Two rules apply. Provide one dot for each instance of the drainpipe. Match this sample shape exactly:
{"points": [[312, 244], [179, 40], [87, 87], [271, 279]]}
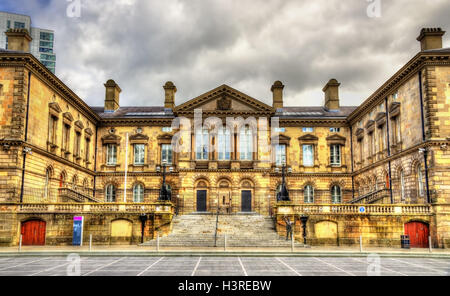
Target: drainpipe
{"points": [[388, 148], [26, 137], [425, 152], [95, 159], [351, 153]]}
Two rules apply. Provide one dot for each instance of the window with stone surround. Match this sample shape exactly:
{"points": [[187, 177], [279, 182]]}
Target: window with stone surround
{"points": [[201, 144], [246, 143], [110, 193], [336, 194], [224, 144], [52, 126], [420, 180], [111, 154], [65, 137], [335, 155], [280, 155], [139, 154], [308, 194], [77, 145], [308, 155], [138, 193], [166, 154]]}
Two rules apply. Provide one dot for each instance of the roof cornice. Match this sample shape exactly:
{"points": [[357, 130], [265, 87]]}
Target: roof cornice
{"points": [[413, 66]]}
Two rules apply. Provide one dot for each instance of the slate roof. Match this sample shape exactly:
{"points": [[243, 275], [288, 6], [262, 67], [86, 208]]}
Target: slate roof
{"points": [[135, 112], [314, 112]]}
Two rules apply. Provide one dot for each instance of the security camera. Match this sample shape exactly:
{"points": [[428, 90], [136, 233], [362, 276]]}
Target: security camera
{"points": [[422, 150]]}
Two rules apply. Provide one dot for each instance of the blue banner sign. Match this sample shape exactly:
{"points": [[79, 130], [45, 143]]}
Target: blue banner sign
{"points": [[78, 231]]}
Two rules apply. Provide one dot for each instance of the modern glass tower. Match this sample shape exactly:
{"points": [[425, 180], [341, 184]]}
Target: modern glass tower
{"points": [[43, 40]]}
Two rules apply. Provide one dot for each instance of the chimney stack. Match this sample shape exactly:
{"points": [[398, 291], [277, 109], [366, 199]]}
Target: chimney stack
{"points": [[331, 91], [277, 90], [170, 89], [112, 96], [430, 38], [18, 40]]}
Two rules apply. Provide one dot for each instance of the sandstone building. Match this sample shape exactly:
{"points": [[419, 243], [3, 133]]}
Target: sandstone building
{"points": [[378, 170]]}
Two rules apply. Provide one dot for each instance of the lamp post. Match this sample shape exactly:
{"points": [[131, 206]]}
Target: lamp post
{"points": [[164, 195], [283, 194], [304, 219], [143, 217]]}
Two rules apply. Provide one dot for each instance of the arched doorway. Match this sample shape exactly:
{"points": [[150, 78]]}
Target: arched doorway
{"points": [[246, 196], [121, 232], [33, 232], [202, 193], [418, 234]]}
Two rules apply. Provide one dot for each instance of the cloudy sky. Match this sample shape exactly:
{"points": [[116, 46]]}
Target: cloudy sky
{"points": [[201, 44]]}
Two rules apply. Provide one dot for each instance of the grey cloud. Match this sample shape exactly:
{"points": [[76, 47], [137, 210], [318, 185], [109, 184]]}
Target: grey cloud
{"points": [[201, 44]]}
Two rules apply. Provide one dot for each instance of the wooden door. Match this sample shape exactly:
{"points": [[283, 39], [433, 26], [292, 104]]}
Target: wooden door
{"points": [[33, 233], [246, 201], [418, 234], [201, 200]]}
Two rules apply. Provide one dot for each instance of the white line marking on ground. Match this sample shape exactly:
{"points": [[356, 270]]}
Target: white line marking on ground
{"points": [[150, 266], [418, 265], [51, 268], [108, 264], [242, 265], [21, 264], [388, 269], [334, 266], [288, 266], [196, 266]]}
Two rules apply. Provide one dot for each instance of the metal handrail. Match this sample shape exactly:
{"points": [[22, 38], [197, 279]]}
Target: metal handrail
{"points": [[217, 224]]}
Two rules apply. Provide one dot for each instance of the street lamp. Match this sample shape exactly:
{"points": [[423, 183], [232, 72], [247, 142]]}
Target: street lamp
{"points": [[283, 194], [304, 219], [164, 194]]}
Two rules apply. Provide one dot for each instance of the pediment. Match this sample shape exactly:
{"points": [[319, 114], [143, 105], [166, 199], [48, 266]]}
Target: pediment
{"points": [[138, 137], [54, 106], [111, 139], [224, 99], [282, 139], [308, 137], [336, 139]]}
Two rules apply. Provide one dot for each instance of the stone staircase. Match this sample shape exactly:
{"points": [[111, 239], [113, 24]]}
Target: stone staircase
{"points": [[242, 230]]}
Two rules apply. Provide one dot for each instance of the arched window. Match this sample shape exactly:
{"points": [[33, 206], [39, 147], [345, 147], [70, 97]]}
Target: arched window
{"points": [[402, 184], [74, 182], [309, 194], [110, 193], [246, 143], [47, 183], [420, 180], [336, 196], [224, 144], [138, 193]]}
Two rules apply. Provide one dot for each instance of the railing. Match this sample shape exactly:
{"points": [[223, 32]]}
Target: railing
{"points": [[372, 197], [345, 209], [76, 195], [160, 207], [297, 196]]}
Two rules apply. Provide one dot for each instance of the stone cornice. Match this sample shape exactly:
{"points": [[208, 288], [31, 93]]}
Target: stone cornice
{"points": [[411, 68], [8, 59]]}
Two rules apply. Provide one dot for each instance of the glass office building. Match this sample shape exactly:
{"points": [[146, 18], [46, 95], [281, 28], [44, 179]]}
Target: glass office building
{"points": [[42, 45]]}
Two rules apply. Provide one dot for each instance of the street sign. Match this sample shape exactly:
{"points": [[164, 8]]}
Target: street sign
{"points": [[362, 209], [77, 239]]}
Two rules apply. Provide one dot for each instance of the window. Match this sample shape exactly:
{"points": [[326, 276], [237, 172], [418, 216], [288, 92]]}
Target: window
{"points": [[87, 149], [336, 196], [8, 24], [166, 129], [110, 193], [246, 143], [280, 157], [111, 154], [139, 154], [361, 150], [19, 25], [138, 193], [66, 137], [335, 155], [44, 49], [335, 129], [383, 137], [309, 194], [166, 153], [77, 145], [372, 143], [52, 129], [402, 185], [308, 155], [308, 129], [46, 36], [420, 180], [280, 129], [201, 144], [395, 96], [224, 142]]}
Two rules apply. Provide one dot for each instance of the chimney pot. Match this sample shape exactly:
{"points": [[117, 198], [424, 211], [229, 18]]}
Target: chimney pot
{"points": [[18, 40], [331, 90], [112, 95], [430, 38], [170, 89], [277, 90]]}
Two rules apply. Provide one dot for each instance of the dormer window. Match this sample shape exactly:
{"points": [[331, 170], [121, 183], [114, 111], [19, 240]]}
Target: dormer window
{"points": [[335, 129], [167, 129], [308, 129]]}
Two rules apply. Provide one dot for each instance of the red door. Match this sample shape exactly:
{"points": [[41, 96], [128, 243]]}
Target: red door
{"points": [[418, 234], [33, 233]]}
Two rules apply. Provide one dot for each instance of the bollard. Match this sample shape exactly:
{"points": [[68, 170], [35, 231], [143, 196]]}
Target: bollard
{"points": [[90, 242], [292, 242], [360, 244], [430, 244], [20, 243], [157, 242]]}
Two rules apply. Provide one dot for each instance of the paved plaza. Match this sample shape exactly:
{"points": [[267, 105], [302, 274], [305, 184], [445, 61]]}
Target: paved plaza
{"points": [[222, 266]]}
